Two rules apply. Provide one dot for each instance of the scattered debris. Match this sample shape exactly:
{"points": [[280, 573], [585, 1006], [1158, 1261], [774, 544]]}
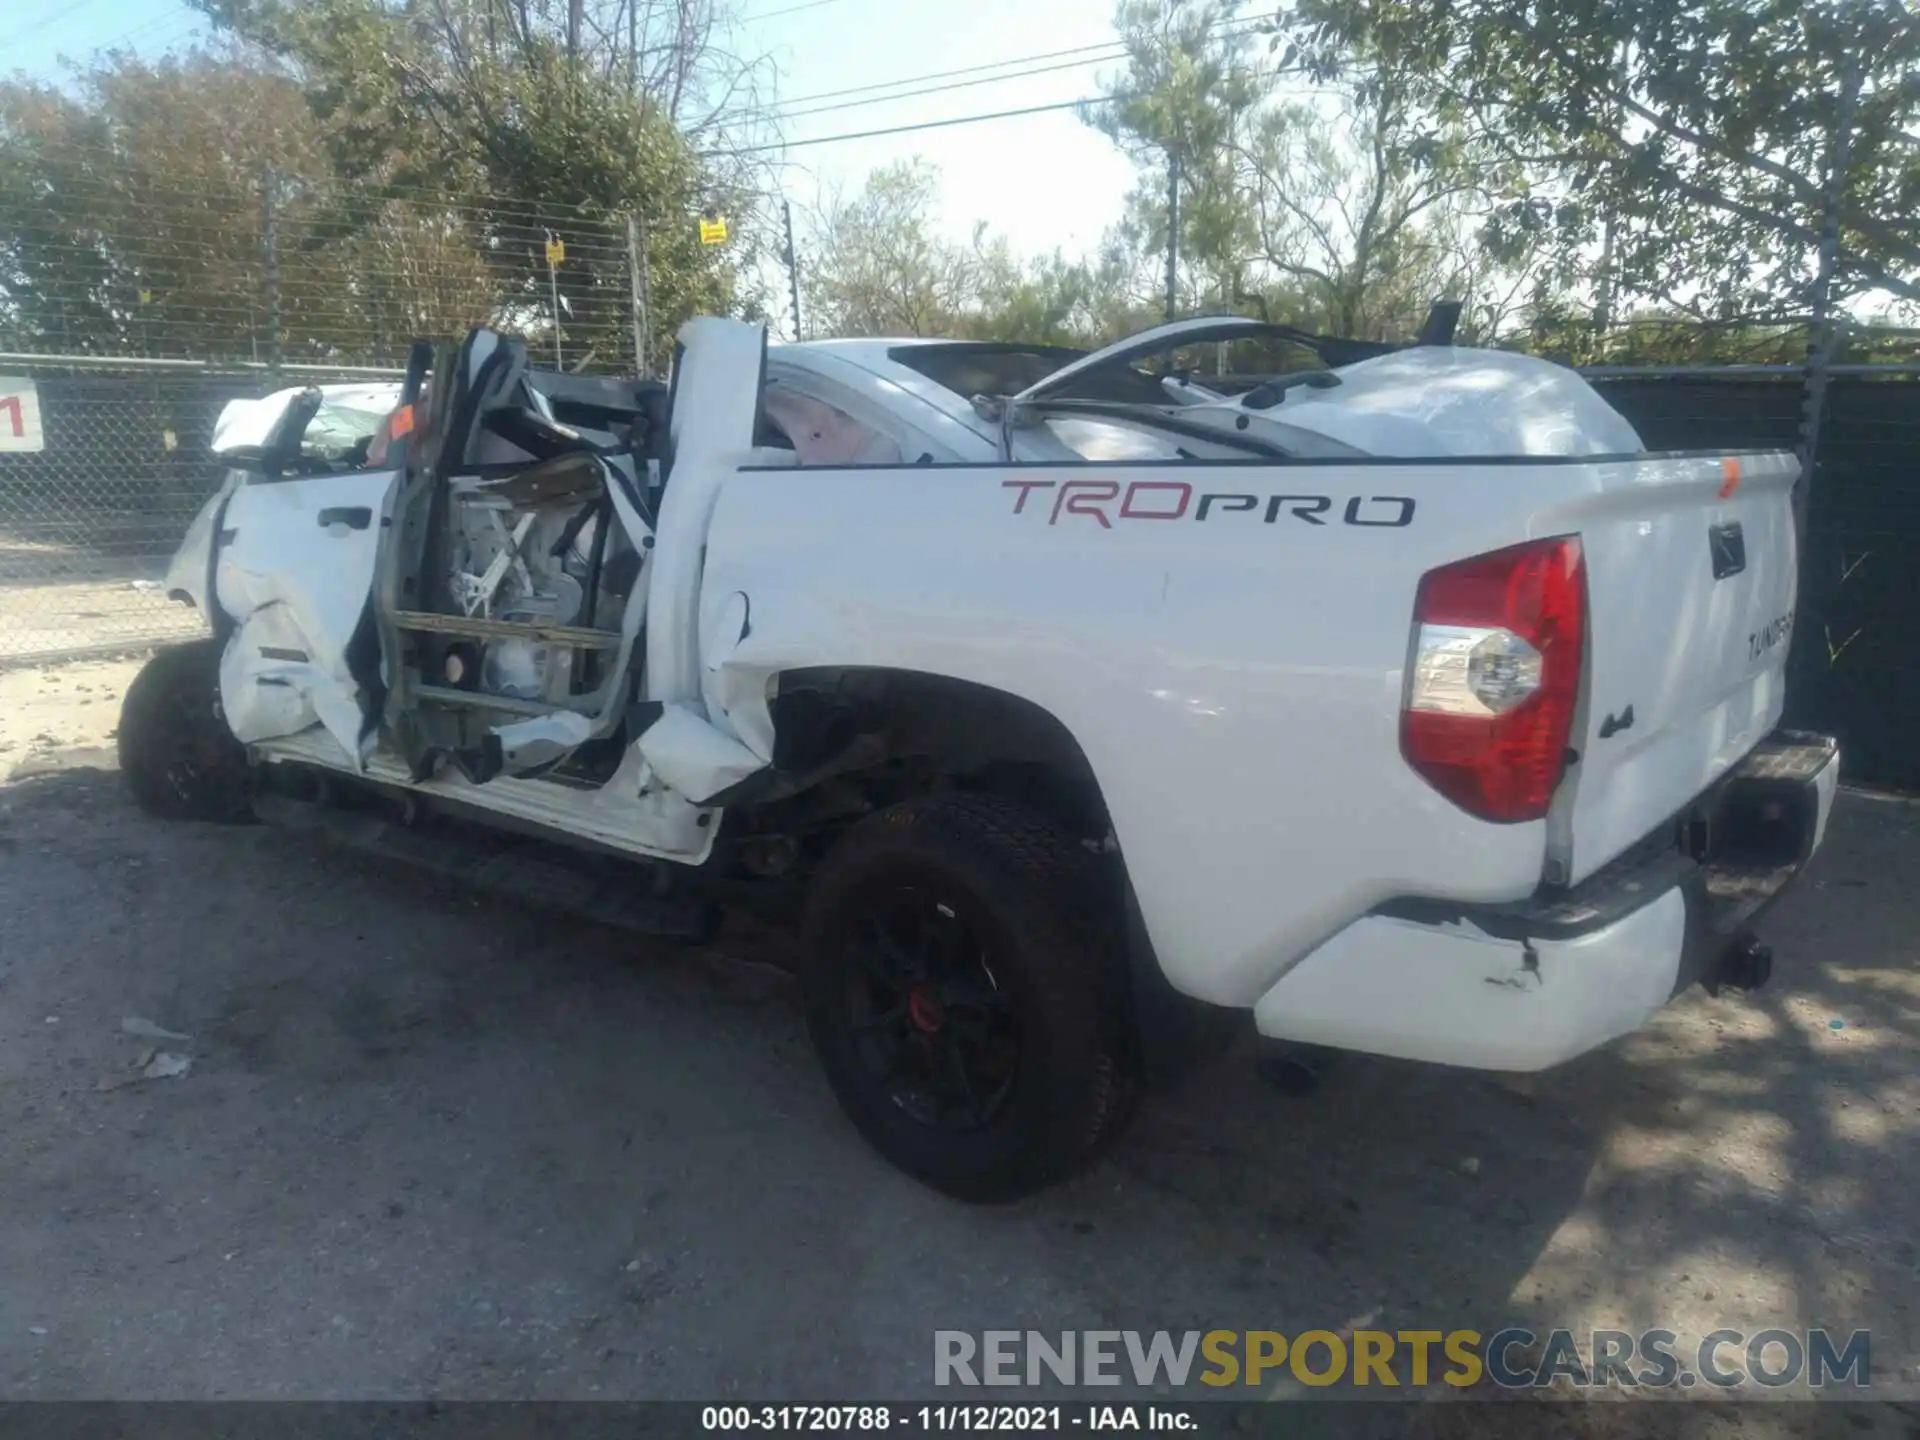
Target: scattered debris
{"points": [[150, 1065], [147, 1030], [166, 1065], [36, 1329], [1470, 1165]]}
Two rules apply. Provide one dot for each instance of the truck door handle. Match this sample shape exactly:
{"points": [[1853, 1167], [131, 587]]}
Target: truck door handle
{"points": [[354, 517]]}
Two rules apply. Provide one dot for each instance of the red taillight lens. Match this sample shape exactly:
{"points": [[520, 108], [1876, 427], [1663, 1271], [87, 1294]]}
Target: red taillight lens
{"points": [[1495, 677]]}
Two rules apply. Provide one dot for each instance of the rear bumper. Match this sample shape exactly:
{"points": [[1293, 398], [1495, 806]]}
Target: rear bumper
{"points": [[1527, 985]]}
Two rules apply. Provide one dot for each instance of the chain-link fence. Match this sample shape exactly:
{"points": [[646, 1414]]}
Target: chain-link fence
{"points": [[130, 315], [89, 518], [288, 277], [104, 463]]}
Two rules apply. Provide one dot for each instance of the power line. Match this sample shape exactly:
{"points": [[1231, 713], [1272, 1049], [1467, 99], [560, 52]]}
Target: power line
{"points": [[156, 23], [932, 124], [790, 10], [405, 192], [949, 74], [59, 14], [934, 89], [1094, 54]]}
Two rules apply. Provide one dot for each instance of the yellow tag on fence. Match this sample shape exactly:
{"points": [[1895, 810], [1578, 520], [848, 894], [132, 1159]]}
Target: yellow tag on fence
{"points": [[556, 250], [713, 230]]}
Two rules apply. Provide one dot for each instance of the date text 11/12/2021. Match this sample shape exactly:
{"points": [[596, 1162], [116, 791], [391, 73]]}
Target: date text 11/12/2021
{"points": [[948, 1419]]}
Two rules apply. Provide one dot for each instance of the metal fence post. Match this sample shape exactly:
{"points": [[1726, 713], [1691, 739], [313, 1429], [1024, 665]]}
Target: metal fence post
{"points": [[270, 265], [1821, 332], [640, 284], [793, 268]]}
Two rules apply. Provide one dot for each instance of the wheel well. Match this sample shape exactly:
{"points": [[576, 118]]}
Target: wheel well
{"points": [[900, 727], [849, 741]]}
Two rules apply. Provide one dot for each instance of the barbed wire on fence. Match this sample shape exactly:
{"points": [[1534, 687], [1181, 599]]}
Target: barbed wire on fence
{"points": [[283, 277]]}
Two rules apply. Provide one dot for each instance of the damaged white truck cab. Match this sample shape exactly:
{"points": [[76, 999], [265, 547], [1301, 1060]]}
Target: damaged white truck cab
{"points": [[1405, 702]]}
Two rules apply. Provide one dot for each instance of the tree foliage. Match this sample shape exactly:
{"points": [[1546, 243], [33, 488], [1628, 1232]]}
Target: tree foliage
{"points": [[531, 128], [376, 169], [877, 264], [414, 163], [130, 211], [1348, 206], [1681, 146]]}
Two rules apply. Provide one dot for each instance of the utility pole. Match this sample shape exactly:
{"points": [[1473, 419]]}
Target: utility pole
{"points": [[1173, 229], [576, 11], [793, 268], [640, 282]]}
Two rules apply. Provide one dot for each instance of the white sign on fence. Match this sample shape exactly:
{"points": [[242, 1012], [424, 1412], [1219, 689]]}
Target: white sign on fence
{"points": [[19, 417]]}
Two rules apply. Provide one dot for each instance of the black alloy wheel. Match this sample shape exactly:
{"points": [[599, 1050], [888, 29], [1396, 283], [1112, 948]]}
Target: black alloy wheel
{"points": [[963, 991], [929, 1020]]}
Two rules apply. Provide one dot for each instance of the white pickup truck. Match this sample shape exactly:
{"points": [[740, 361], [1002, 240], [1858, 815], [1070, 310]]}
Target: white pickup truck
{"points": [[1072, 708]]}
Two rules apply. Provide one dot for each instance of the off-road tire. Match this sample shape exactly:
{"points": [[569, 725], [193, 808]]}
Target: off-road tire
{"points": [[1032, 893], [179, 758]]}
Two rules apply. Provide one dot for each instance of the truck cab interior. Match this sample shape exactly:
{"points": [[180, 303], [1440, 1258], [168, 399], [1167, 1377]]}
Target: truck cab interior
{"points": [[523, 529]]}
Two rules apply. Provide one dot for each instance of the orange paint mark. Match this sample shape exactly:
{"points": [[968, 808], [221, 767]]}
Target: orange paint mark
{"points": [[1729, 476]]}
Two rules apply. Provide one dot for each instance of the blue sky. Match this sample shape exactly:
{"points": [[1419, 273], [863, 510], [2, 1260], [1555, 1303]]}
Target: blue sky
{"points": [[1042, 180]]}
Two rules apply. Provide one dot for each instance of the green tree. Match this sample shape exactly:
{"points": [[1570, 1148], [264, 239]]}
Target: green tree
{"points": [[1184, 111], [877, 264], [130, 210], [1350, 207], [1046, 300], [414, 167], [524, 126], [1683, 145], [523, 133]]}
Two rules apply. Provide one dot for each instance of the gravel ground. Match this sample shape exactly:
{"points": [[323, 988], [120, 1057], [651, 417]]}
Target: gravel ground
{"points": [[435, 1145]]}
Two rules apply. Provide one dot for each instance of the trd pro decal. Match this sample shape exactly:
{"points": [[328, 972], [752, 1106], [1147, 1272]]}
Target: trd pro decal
{"points": [[1105, 501]]}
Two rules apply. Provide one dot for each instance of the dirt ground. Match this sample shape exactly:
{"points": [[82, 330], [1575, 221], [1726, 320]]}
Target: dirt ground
{"points": [[434, 1145]]}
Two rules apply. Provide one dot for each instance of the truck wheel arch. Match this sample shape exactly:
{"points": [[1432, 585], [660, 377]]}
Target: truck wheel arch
{"points": [[834, 720], [837, 721]]}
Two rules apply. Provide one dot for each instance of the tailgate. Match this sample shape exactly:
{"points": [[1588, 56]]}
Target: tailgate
{"points": [[1691, 580]]}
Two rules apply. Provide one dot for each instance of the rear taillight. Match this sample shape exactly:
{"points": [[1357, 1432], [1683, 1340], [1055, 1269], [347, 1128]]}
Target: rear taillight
{"points": [[1495, 677]]}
